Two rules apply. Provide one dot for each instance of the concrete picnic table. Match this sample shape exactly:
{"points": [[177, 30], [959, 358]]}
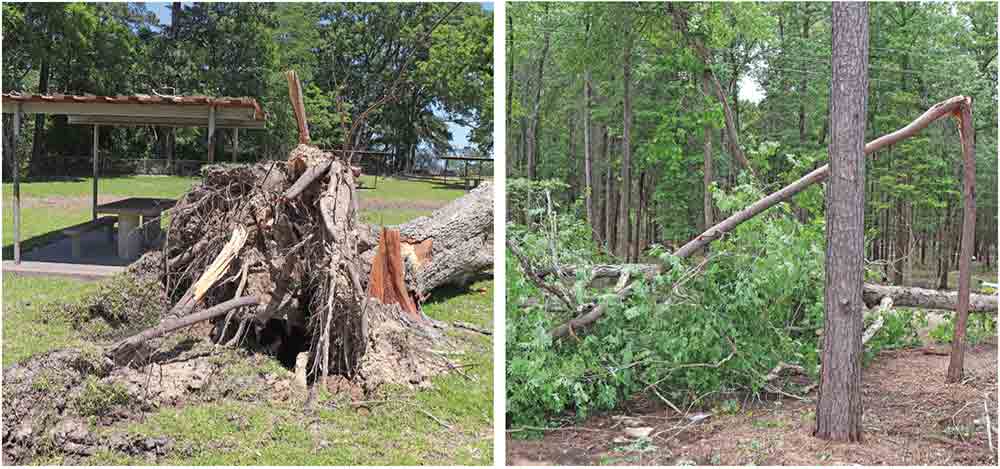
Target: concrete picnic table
{"points": [[129, 210]]}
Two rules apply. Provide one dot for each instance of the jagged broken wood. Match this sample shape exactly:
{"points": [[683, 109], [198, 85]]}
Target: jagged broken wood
{"points": [[298, 105]]}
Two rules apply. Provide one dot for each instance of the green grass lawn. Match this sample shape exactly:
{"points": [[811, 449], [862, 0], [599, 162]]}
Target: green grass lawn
{"points": [[394, 431], [404, 189], [29, 327], [230, 432], [47, 207]]}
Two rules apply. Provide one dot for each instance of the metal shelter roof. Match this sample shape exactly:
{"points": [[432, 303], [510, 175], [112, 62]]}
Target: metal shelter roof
{"points": [[141, 109]]}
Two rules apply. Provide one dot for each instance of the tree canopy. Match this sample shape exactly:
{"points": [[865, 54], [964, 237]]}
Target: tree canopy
{"points": [[348, 56]]}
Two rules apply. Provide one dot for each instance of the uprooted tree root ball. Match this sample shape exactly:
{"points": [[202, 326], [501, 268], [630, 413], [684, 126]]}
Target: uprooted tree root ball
{"points": [[272, 258]]}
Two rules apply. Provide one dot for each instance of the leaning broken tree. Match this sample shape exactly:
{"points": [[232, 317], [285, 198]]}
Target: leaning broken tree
{"points": [[959, 107], [282, 241]]}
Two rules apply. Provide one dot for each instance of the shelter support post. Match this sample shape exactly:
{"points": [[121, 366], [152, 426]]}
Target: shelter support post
{"points": [[93, 206], [17, 188], [236, 143], [211, 134]]}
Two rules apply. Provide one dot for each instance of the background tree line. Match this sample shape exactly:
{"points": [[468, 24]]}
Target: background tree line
{"points": [[641, 109], [347, 56]]}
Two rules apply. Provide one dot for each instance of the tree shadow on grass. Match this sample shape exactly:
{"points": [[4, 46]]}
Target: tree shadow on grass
{"points": [[438, 182], [446, 292]]}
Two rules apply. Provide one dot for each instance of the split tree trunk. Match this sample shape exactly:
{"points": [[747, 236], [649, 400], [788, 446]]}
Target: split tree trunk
{"points": [[955, 366]]}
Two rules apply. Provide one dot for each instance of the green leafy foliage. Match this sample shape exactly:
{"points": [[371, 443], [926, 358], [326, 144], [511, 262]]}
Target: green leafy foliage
{"points": [[349, 56], [756, 302], [713, 324], [979, 328]]}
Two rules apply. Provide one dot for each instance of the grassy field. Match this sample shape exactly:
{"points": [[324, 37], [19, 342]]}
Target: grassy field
{"points": [[48, 207], [449, 423]]}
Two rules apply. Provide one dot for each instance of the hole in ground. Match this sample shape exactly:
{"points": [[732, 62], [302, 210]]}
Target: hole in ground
{"points": [[283, 341]]}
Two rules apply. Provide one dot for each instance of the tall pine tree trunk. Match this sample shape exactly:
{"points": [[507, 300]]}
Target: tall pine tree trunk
{"points": [[588, 155], [838, 411], [534, 128], [626, 186]]}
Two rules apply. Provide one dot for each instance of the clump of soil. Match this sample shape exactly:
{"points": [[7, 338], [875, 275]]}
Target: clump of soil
{"points": [[50, 399], [911, 417], [124, 304]]}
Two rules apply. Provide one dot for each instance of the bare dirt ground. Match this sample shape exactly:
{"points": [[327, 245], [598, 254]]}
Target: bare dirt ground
{"points": [[911, 417]]}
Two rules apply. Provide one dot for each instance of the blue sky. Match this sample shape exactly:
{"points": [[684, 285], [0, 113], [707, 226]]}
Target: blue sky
{"points": [[459, 134]]}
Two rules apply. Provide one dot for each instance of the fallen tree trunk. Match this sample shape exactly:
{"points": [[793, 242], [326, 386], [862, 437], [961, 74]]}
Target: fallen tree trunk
{"points": [[449, 246], [927, 299], [873, 294]]}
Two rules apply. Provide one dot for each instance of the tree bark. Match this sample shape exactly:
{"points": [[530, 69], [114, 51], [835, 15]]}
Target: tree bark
{"points": [[588, 155], [534, 127], [707, 165], [804, 83], [626, 187], [609, 199], [447, 247], [839, 408], [639, 217]]}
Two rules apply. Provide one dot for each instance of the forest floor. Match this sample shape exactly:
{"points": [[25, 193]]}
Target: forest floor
{"points": [[911, 417], [219, 406]]}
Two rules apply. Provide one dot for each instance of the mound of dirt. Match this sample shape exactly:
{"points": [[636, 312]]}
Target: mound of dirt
{"points": [[49, 399]]}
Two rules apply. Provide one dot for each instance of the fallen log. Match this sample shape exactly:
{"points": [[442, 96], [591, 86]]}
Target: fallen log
{"points": [[873, 294], [450, 246], [927, 299]]}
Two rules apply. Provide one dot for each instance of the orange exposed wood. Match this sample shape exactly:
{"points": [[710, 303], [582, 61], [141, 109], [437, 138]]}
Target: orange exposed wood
{"points": [[388, 278]]}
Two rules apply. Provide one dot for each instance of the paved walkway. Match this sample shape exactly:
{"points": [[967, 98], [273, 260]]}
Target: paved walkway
{"points": [[78, 271]]}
